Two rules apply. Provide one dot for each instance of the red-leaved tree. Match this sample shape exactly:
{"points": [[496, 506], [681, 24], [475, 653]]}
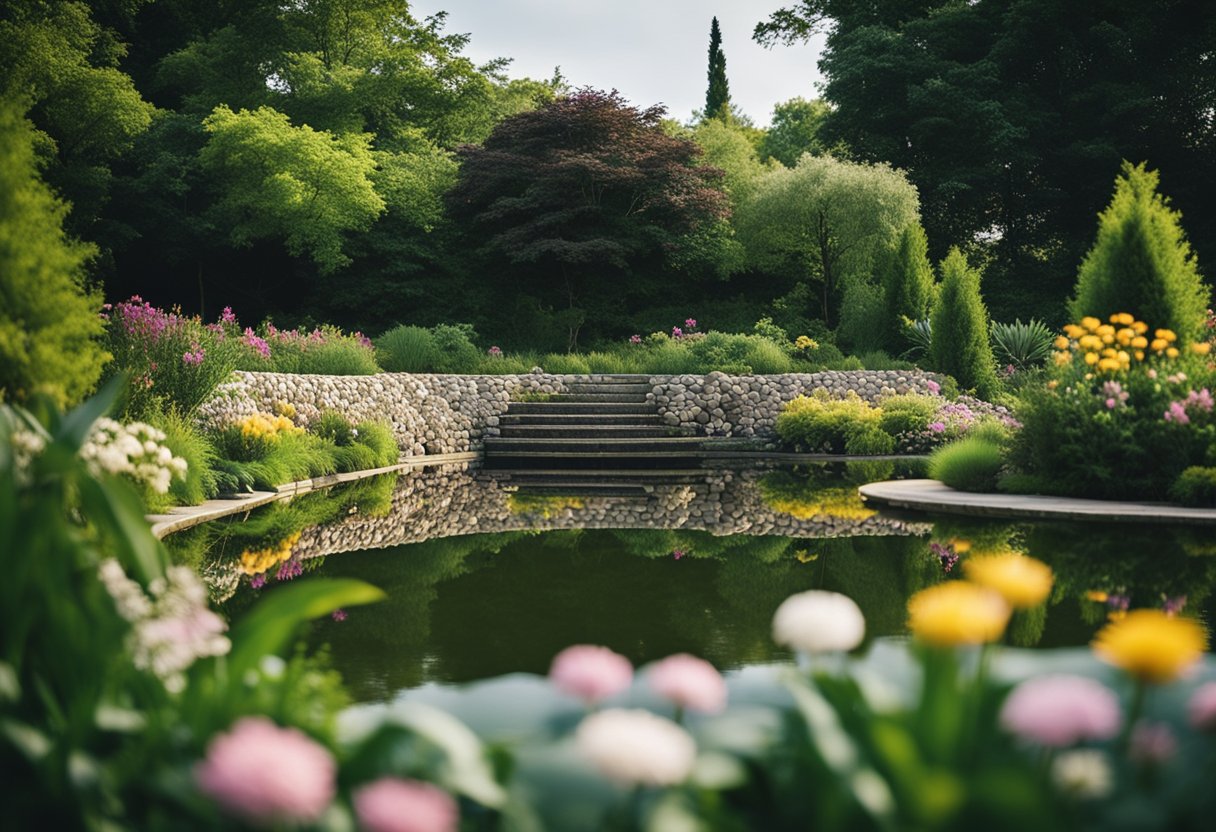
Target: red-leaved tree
{"points": [[569, 199]]}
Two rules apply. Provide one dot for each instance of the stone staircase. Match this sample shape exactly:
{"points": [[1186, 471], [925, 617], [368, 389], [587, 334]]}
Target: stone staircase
{"points": [[601, 436]]}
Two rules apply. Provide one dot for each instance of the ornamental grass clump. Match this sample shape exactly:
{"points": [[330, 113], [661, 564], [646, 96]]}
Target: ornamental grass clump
{"points": [[971, 464]]}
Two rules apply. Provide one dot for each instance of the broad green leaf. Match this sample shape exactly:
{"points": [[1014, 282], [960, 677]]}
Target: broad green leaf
{"points": [[270, 626], [78, 423], [116, 511], [26, 738]]}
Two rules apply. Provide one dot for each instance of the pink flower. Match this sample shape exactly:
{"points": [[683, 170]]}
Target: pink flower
{"points": [[635, 339], [1177, 414], [394, 805], [937, 427], [494, 352], [259, 345], [676, 332], [258, 581], [1152, 743], [933, 386], [590, 672], [690, 683], [194, 357], [1061, 710], [1202, 708], [338, 615], [678, 553], [1110, 404], [227, 316], [267, 775], [691, 323]]}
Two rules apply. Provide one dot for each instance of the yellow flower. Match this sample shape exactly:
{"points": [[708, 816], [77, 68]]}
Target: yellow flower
{"points": [[1123, 318], [1159, 344], [1151, 645], [1063, 358], [1022, 581], [1091, 358], [1061, 342], [1097, 596], [1125, 336], [805, 342], [1053, 384], [1073, 331], [1172, 352], [1090, 342], [1167, 334], [1139, 355], [956, 613], [1139, 342], [1109, 365], [960, 545], [1090, 323], [1202, 348]]}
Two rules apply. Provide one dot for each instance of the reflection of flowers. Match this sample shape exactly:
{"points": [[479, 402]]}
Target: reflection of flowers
{"points": [[636, 746], [1060, 710], [945, 554], [1151, 646]]}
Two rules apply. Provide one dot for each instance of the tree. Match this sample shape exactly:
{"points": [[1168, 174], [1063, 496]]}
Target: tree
{"points": [[825, 221], [304, 186], [960, 345], [907, 282], [1011, 150], [577, 193], [49, 323], [717, 96], [794, 131], [1141, 261]]}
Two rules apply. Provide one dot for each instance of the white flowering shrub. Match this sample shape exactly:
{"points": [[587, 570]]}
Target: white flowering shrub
{"points": [[134, 451]]}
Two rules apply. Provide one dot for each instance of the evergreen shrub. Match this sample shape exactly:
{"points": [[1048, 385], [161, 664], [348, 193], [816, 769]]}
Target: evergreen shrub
{"points": [[1195, 486], [960, 345]]}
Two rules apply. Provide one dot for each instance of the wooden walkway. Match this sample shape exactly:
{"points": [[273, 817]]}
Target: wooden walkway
{"points": [[933, 496]]}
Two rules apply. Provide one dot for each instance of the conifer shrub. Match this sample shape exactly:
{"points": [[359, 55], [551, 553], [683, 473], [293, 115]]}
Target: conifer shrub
{"points": [[1141, 262], [960, 345], [49, 322], [907, 284]]}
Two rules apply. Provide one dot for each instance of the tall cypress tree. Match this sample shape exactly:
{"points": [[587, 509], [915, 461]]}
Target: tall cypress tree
{"points": [[717, 97]]}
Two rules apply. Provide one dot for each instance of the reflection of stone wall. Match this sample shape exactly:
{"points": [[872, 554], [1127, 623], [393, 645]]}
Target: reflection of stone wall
{"points": [[722, 405], [451, 500]]}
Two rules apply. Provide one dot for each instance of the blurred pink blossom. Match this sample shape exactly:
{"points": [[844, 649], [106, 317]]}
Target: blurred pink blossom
{"points": [[590, 672], [267, 775], [1152, 743], [394, 805], [691, 323], [690, 683], [933, 386], [1202, 708], [1061, 710]]}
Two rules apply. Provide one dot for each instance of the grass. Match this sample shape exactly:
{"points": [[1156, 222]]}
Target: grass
{"points": [[971, 464], [406, 349], [188, 442]]}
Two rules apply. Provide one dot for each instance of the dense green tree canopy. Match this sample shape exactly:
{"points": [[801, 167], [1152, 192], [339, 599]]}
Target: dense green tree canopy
{"points": [[1010, 116], [794, 131], [825, 221]]}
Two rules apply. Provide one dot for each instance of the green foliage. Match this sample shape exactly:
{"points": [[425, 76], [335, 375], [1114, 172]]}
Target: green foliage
{"points": [[960, 345], [378, 437], [920, 335], [406, 349], [907, 413], [333, 427], [862, 317], [1022, 345], [1141, 261], [970, 464], [325, 351], [717, 96], [825, 222], [562, 362], [455, 351], [821, 424], [794, 130], [879, 360], [728, 148], [906, 278], [869, 440], [49, 321], [184, 438], [1195, 486], [303, 186]]}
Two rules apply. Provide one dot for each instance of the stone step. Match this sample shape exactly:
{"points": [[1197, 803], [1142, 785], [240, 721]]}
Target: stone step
{"points": [[584, 408], [639, 398], [583, 445], [649, 419], [626, 477], [570, 488], [586, 431], [636, 388], [592, 460]]}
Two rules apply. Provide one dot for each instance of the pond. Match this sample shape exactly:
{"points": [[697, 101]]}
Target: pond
{"points": [[487, 577]]}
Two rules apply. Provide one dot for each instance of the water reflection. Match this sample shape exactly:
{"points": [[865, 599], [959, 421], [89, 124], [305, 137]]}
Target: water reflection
{"points": [[484, 578]]}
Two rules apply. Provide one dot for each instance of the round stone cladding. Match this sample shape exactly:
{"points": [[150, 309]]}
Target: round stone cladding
{"points": [[437, 414], [722, 405]]}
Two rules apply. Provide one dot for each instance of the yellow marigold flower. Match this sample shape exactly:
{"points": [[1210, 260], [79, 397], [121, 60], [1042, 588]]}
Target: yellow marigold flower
{"points": [[1109, 365], [1159, 344], [1105, 330], [1139, 342], [1141, 327], [1202, 348], [1125, 336], [1053, 384], [1172, 352], [956, 613], [1063, 358], [1097, 596], [1061, 342], [1167, 334], [1073, 331], [1091, 323], [1151, 645], [1109, 352], [1090, 342], [1022, 581], [1091, 358], [1123, 318], [1139, 355]]}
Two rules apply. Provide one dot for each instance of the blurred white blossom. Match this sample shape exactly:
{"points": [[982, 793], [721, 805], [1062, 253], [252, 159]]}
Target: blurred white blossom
{"points": [[134, 450]]}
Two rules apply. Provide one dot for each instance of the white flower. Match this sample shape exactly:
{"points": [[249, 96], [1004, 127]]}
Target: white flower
{"points": [[636, 746], [1083, 774], [819, 622], [133, 450], [26, 445]]}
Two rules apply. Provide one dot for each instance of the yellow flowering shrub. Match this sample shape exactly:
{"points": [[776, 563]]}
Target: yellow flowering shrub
{"points": [[840, 503], [257, 561]]}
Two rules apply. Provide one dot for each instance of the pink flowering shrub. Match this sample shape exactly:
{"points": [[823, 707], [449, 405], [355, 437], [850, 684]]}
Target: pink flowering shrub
{"points": [[394, 805], [590, 672], [690, 683]]}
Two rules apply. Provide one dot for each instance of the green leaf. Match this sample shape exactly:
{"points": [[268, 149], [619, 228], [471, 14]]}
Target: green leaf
{"points": [[26, 738], [77, 424], [270, 626], [117, 513]]}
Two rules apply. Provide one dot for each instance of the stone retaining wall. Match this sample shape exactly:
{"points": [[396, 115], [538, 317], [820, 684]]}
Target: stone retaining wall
{"points": [[722, 405], [437, 414]]}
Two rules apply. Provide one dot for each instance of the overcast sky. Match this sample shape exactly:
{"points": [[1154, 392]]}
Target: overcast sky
{"points": [[652, 51]]}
